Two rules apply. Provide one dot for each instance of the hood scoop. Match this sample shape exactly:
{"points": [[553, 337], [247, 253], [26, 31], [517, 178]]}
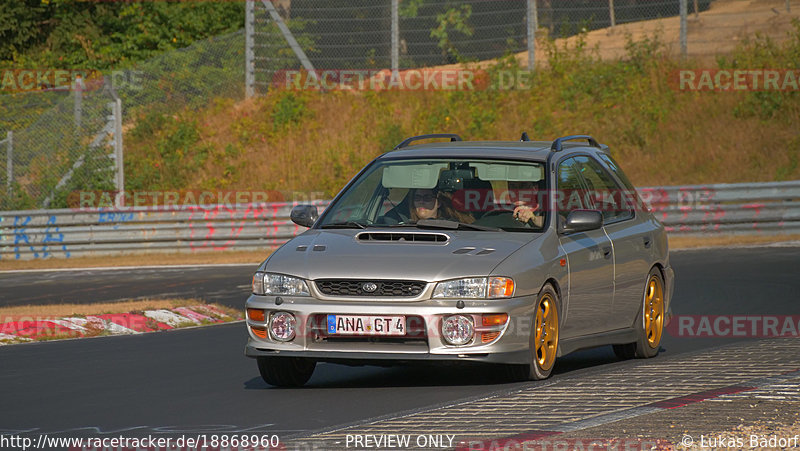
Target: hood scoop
{"points": [[402, 237]]}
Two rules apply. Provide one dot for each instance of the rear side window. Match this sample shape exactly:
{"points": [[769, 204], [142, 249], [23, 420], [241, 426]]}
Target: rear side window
{"points": [[614, 167]]}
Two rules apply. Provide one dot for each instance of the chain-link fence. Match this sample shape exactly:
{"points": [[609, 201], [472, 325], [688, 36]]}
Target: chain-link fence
{"points": [[54, 151], [67, 140], [369, 34]]}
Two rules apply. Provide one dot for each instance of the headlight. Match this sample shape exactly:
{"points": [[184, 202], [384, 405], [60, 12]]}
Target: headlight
{"points": [[475, 288], [278, 284]]}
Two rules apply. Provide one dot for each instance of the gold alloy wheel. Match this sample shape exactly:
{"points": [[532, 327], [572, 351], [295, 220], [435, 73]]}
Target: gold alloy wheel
{"points": [[654, 311], [546, 341]]}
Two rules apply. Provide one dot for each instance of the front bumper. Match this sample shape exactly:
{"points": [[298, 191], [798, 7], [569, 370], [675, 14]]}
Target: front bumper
{"points": [[510, 346]]}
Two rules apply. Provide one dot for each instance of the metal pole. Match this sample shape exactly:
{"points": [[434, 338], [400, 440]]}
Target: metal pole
{"points": [[9, 161], [249, 52], [287, 34], [118, 153], [533, 25], [611, 13], [395, 35], [77, 91], [684, 7]]}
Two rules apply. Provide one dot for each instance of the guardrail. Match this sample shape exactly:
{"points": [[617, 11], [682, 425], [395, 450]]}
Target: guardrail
{"points": [[752, 208], [26, 235], [746, 208]]}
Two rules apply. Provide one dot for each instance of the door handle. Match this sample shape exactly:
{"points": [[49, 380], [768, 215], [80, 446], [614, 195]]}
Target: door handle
{"points": [[647, 242], [607, 252]]}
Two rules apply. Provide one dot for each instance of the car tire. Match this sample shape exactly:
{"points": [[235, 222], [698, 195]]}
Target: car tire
{"points": [[286, 371], [543, 343], [649, 321]]}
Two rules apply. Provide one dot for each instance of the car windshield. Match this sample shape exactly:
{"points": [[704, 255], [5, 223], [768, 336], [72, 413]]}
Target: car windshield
{"points": [[480, 195]]}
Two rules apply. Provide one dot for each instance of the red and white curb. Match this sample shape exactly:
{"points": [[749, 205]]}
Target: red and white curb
{"points": [[25, 329]]}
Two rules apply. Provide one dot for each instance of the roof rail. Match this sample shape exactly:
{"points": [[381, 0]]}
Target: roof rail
{"points": [[558, 143], [407, 141]]}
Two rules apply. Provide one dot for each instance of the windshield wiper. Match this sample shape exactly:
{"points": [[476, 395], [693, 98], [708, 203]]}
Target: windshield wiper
{"points": [[344, 225], [454, 225]]}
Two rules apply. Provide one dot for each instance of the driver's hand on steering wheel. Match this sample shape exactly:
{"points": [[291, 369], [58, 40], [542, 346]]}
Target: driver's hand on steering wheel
{"points": [[524, 213]]}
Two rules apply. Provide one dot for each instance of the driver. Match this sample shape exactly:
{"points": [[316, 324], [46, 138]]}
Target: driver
{"points": [[434, 204]]}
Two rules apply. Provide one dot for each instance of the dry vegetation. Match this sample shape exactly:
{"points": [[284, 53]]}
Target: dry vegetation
{"points": [[693, 242], [198, 258], [309, 141]]}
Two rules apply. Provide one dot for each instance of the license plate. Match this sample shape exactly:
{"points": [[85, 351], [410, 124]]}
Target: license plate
{"points": [[366, 325]]}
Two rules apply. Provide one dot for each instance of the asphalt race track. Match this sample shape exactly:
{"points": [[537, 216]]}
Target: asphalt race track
{"points": [[197, 380], [225, 284]]}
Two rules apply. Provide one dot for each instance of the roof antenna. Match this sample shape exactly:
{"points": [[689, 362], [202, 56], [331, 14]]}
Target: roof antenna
{"points": [[524, 137]]}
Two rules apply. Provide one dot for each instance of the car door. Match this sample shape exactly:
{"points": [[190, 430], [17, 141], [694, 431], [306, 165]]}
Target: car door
{"points": [[631, 234], [590, 260]]}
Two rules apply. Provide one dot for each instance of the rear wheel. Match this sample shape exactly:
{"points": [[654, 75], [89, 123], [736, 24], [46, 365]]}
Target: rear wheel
{"points": [[649, 322], [544, 338], [286, 371]]}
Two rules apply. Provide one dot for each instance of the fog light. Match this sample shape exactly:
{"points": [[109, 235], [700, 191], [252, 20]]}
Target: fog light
{"points": [[457, 330], [282, 326]]}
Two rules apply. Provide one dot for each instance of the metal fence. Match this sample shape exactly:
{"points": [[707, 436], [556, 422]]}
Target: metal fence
{"points": [[71, 139], [759, 208], [74, 143], [380, 34]]}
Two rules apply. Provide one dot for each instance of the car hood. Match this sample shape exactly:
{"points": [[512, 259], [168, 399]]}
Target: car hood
{"points": [[393, 254]]}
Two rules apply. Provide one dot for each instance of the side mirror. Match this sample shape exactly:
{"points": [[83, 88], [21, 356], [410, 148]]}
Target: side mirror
{"points": [[304, 215], [582, 221]]}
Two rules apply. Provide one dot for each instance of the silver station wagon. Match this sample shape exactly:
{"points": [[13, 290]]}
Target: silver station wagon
{"points": [[511, 253]]}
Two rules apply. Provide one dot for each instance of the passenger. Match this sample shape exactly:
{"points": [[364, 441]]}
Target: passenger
{"points": [[434, 204]]}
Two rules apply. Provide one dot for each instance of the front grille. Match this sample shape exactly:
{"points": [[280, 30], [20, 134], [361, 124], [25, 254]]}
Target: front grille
{"points": [[385, 288]]}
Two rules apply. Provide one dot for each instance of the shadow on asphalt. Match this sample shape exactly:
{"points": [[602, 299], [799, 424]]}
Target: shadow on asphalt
{"points": [[328, 375]]}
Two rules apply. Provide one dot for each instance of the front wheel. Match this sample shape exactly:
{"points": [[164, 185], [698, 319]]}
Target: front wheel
{"points": [[649, 322], [286, 371], [544, 338]]}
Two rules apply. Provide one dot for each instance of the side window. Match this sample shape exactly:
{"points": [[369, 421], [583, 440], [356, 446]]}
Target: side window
{"points": [[571, 194], [604, 191]]}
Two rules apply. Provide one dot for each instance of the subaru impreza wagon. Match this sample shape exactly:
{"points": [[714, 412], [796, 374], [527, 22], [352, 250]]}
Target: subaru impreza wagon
{"points": [[511, 253]]}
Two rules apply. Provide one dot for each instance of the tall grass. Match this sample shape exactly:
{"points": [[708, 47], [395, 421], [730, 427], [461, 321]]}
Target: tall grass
{"points": [[313, 141]]}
